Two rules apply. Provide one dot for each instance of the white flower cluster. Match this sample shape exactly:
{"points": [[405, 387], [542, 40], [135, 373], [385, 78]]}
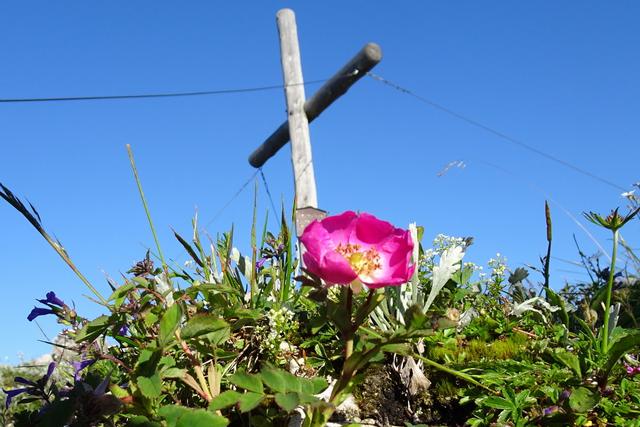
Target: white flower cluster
{"points": [[472, 266], [442, 242], [498, 265], [280, 322]]}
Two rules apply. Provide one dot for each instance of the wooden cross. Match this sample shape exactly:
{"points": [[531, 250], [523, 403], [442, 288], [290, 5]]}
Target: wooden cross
{"points": [[301, 112]]}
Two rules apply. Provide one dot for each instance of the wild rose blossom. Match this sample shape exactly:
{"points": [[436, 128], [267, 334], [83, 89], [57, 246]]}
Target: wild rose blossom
{"points": [[350, 247]]}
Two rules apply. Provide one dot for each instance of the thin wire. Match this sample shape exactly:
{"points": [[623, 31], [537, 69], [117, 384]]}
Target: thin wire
{"points": [[494, 131], [546, 196], [158, 95], [237, 193], [266, 187]]}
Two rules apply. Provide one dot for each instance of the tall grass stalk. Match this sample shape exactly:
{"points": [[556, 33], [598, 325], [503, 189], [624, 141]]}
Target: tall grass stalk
{"points": [[146, 209], [607, 307]]}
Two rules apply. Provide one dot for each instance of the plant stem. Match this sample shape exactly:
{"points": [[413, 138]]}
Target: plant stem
{"points": [[607, 306], [547, 260], [348, 347], [146, 209]]}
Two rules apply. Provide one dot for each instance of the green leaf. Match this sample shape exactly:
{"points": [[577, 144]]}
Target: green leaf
{"points": [[287, 401], [120, 293], [148, 361], [415, 319], [93, 329], [250, 400], [173, 373], [274, 379], [150, 387], [570, 360], [171, 413], [246, 381], [142, 421], [555, 299], [624, 341], [497, 402], [201, 418], [188, 248], [169, 323], [319, 385], [224, 400], [202, 324], [582, 399]]}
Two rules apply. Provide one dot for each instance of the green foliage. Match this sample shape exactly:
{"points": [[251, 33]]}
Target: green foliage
{"points": [[236, 339]]}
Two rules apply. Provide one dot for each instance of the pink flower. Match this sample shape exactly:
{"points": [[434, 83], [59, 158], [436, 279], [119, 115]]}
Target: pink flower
{"points": [[352, 247]]}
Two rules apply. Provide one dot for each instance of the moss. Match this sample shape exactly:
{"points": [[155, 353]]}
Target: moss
{"points": [[514, 347]]}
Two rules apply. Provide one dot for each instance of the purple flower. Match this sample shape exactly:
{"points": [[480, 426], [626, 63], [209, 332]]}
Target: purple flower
{"points": [[550, 410], [36, 388], [565, 395], [52, 299], [79, 366], [50, 369], [123, 331], [260, 263], [24, 381], [13, 393], [38, 311]]}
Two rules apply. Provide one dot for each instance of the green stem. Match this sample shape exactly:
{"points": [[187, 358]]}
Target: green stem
{"points": [[146, 209], [348, 347], [453, 372], [607, 306]]}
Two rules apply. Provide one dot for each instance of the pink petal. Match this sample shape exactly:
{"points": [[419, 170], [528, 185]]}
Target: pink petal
{"points": [[340, 227], [370, 230], [334, 268], [395, 259], [320, 256]]}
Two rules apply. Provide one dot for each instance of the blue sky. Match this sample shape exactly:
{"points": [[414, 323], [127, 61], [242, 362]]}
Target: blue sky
{"points": [[560, 76]]}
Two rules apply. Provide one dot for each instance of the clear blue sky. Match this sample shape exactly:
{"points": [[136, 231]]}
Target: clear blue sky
{"points": [[560, 76]]}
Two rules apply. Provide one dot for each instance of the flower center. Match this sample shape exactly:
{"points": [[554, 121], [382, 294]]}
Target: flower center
{"points": [[363, 262]]}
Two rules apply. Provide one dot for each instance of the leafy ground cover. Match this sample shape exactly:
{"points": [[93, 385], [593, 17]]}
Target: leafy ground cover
{"points": [[376, 328]]}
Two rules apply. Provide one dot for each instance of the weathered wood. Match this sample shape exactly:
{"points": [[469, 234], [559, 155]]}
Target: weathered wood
{"points": [[305, 184], [367, 58]]}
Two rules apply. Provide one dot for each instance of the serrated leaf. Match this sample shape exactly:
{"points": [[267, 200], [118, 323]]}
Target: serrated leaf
{"points": [[249, 401], [173, 373], [224, 400], [274, 379], [287, 401], [169, 323], [150, 387], [247, 381], [171, 413], [202, 324]]}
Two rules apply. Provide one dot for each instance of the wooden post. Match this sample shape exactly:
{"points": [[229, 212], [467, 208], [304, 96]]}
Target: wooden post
{"points": [[305, 184], [357, 67]]}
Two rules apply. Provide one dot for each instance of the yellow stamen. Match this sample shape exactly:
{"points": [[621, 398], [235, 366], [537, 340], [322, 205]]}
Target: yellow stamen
{"points": [[363, 262]]}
